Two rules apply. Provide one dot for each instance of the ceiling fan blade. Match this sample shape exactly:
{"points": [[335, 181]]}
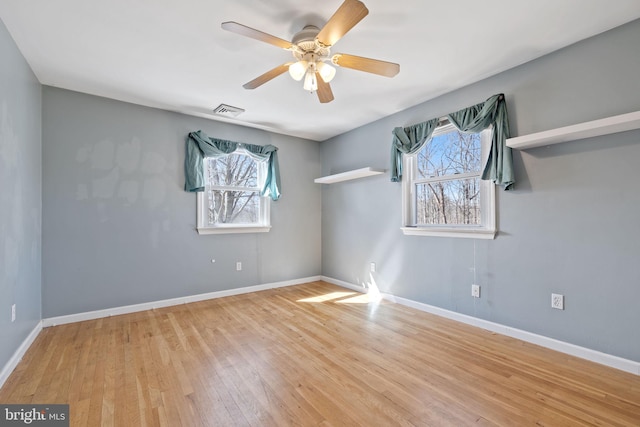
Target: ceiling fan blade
{"points": [[260, 80], [243, 30], [324, 90], [345, 18], [375, 66]]}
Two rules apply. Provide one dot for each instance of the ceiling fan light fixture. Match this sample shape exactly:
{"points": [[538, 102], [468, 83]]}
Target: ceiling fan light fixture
{"points": [[298, 69], [310, 81], [327, 72], [311, 47]]}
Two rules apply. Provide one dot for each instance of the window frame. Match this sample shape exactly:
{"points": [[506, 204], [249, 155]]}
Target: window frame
{"points": [[264, 223], [487, 228]]}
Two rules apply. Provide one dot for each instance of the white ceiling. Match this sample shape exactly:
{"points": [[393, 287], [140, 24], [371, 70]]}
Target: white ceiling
{"points": [[173, 54]]}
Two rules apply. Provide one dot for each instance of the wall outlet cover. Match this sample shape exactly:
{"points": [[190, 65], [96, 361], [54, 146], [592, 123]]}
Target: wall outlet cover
{"points": [[557, 301], [475, 291]]}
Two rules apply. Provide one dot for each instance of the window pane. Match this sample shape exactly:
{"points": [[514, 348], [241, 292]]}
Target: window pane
{"points": [[448, 202], [233, 207], [450, 153], [236, 170]]}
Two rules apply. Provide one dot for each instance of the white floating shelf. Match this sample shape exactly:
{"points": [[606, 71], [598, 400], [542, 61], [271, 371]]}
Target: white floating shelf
{"points": [[621, 123], [346, 176]]}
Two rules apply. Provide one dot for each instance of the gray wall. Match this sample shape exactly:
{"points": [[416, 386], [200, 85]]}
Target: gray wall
{"points": [[118, 229], [20, 197], [571, 225]]}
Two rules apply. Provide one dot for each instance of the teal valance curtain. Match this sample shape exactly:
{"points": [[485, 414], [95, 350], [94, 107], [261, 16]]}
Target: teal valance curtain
{"points": [[199, 146], [493, 111]]}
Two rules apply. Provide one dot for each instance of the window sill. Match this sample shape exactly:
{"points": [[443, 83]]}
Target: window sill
{"points": [[233, 230], [466, 233]]}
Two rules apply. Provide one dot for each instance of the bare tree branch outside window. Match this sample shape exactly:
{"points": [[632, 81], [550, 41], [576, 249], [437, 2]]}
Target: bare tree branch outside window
{"points": [[448, 180], [233, 195]]}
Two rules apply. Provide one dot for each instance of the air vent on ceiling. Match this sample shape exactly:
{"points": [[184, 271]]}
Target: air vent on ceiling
{"points": [[228, 110]]}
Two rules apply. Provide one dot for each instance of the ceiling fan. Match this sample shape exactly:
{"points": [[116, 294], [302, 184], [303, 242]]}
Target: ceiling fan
{"points": [[311, 48]]}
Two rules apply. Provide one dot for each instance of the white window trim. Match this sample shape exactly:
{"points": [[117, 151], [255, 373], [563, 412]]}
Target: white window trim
{"points": [[265, 212], [487, 230]]}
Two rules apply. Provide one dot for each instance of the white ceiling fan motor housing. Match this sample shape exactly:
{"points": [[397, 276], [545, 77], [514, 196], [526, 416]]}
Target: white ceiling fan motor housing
{"points": [[304, 43]]}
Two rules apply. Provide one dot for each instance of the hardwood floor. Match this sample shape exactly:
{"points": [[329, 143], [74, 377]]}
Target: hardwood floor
{"points": [[312, 354]]}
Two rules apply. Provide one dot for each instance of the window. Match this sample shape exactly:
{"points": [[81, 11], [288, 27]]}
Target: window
{"points": [[443, 194], [231, 201]]}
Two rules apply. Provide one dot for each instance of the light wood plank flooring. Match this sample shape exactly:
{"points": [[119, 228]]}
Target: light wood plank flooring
{"points": [[312, 354]]}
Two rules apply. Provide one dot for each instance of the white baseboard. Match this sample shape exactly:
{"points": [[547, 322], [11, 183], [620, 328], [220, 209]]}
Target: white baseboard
{"points": [[551, 343], [97, 314], [8, 368]]}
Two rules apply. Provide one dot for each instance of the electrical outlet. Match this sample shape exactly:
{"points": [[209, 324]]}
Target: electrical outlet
{"points": [[557, 301], [238, 266], [475, 291], [13, 312], [372, 267]]}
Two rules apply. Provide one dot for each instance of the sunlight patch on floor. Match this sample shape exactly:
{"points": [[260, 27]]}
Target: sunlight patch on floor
{"points": [[327, 297], [371, 296], [359, 299]]}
